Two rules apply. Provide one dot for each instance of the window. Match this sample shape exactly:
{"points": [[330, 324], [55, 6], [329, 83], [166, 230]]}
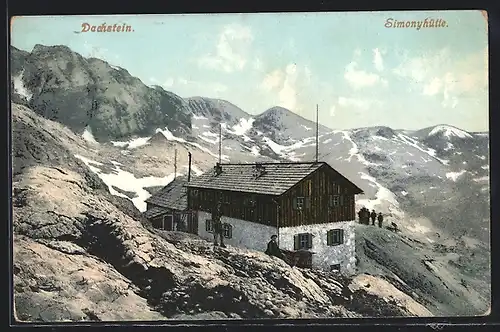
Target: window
{"points": [[299, 203], [226, 199], [249, 201], [209, 226], [335, 237], [194, 192], [227, 230], [336, 200], [303, 241], [335, 268]]}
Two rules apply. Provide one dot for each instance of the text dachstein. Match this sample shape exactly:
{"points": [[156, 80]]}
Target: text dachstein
{"points": [[427, 23], [106, 28]]}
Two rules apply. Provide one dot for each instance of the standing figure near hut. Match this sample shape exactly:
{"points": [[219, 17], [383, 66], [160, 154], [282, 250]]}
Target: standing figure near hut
{"points": [[217, 229], [366, 216], [380, 218], [360, 215], [373, 215]]}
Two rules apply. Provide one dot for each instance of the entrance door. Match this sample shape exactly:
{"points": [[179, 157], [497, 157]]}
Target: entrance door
{"points": [[192, 222]]}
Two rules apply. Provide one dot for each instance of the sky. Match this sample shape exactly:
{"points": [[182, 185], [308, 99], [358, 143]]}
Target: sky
{"points": [[359, 71]]}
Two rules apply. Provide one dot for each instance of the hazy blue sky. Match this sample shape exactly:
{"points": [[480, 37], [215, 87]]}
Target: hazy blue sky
{"points": [[358, 71]]}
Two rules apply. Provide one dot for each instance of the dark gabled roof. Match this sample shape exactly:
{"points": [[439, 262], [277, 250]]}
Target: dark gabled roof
{"points": [[278, 179], [172, 196], [155, 211]]}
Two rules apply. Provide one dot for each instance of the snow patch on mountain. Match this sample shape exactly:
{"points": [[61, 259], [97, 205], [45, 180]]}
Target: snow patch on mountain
{"points": [[448, 131], [384, 198], [281, 150], [413, 142], [133, 143], [208, 140], [455, 175], [449, 146], [171, 137], [354, 151], [20, 88], [482, 179], [126, 181], [88, 136], [243, 126]]}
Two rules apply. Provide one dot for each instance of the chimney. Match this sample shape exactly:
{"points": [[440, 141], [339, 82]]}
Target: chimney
{"points": [[220, 143], [218, 169], [259, 170], [189, 166]]}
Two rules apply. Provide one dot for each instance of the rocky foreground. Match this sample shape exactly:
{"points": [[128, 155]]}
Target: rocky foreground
{"points": [[78, 257], [81, 254]]}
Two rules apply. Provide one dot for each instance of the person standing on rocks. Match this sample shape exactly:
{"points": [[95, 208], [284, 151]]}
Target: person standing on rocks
{"points": [[217, 229], [380, 219], [373, 215], [273, 248]]}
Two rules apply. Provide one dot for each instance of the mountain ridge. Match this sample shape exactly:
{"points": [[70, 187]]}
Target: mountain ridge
{"points": [[435, 188], [18, 54], [401, 264]]}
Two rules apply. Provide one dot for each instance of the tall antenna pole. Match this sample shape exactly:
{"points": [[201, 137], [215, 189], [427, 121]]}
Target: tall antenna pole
{"points": [[317, 134], [175, 164], [220, 143], [189, 167]]}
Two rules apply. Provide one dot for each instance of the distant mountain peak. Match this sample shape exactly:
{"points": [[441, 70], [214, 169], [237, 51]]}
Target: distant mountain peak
{"points": [[51, 48], [449, 131]]}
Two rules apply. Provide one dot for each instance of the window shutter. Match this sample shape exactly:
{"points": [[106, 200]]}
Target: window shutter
{"points": [[341, 236], [341, 199], [329, 236], [230, 231], [309, 241], [294, 203], [296, 243], [207, 225], [307, 202]]}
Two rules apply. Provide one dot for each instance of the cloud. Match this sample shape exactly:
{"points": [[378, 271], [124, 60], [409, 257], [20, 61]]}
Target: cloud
{"points": [[359, 103], [377, 60], [421, 68], [257, 64], [231, 51], [273, 80], [433, 87], [332, 110], [441, 76], [286, 85], [360, 78], [91, 51]]}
